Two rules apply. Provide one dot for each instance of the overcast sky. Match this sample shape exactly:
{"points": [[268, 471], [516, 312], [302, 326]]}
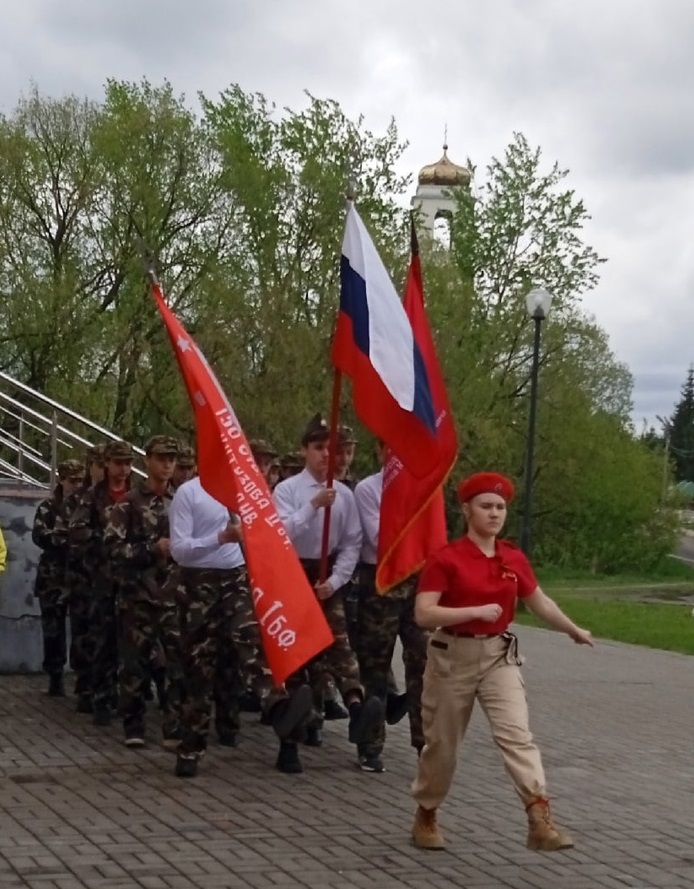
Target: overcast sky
{"points": [[606, 87]]}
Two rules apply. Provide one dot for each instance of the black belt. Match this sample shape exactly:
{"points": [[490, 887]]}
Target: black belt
{"points": [[312, 567], [221, 573], [367, 573], [461, 634]]}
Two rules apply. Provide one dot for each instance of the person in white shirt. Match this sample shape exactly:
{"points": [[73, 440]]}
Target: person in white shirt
{"points": [[219, 624], [346, 448], [380, 620], [301, 502]]}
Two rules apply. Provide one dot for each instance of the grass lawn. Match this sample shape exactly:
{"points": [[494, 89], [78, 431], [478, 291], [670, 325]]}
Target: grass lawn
{"points": [[617, 616], [671, 575]]}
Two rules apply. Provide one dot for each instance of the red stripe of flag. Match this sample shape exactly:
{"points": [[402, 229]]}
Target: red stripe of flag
{"points": [[413, 521]]}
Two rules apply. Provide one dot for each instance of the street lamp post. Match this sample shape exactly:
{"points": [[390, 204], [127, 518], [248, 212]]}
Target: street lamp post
{"points": [[538, 302]]}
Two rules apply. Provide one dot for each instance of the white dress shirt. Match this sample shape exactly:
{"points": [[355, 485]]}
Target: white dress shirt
{"points": [[367, 496], [304, 523], [195, 520]]}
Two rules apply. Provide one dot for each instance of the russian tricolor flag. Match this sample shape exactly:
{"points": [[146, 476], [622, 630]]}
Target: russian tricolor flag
{"points": [[374, 345]]}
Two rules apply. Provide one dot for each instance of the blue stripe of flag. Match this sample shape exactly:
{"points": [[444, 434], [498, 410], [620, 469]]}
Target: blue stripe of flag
{"points": [[354, 302]]}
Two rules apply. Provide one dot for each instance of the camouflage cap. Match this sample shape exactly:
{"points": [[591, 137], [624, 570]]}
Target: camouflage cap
{"points": [[261, 448], [186, 458], [162, 444], [95, 454], [316, 429], [70, 469], [291, 461], [345, 435], [119, 450]]}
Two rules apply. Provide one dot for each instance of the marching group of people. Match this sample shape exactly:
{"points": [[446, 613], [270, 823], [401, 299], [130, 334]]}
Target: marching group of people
{"points": [[149, 573]]}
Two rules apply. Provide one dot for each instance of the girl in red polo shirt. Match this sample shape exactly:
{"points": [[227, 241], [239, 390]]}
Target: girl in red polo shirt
{"points": [[467, 593]]}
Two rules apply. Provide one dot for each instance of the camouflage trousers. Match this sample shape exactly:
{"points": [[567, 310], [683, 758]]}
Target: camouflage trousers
{"points": [[339, 661], [381, 620], [143, 626], [53, 604], [351, 593], [81, 639], [103, 639], [222, 652]]}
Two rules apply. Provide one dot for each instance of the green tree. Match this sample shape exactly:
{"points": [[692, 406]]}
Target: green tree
{"points": [[285, 177], [681, 431], [520, 227], [47, 185], [243, 208]]}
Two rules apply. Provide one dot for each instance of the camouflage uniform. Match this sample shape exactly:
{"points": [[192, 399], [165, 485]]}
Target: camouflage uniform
{"points": [[186, 463], [223, 653], [147, 609], [221, 636], [50, 534], [380, 620], [80, 573], [305, 525], [79, 581], [338, 662], [87, 523], [290, 464]]}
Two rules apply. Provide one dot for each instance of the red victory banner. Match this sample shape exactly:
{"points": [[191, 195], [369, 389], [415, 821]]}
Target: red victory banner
{"points": [[292, 622]]}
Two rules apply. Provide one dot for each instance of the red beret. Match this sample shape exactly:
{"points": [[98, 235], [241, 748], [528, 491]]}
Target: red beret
{"points": [[485, 483]]}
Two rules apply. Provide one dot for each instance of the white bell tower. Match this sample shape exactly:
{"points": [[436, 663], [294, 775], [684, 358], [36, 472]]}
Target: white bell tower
{"points": [[433, 199]]}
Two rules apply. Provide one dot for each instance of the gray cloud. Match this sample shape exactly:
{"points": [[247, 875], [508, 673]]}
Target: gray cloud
{"points": [[605, 88]]}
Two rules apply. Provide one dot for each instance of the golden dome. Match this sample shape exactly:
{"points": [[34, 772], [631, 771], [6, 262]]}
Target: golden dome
{"points": [[444, 172]]}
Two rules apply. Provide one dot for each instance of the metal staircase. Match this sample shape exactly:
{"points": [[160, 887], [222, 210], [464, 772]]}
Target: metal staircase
{"points": [[36, 433]]}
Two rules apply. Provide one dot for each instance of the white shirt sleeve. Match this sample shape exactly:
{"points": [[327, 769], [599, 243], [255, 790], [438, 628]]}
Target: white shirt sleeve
{"points": [[368, 500], [295, 519], [184, 546], [349, 545]]}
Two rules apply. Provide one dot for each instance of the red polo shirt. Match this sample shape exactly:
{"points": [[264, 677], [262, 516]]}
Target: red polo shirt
{"points": [[466, 577]]}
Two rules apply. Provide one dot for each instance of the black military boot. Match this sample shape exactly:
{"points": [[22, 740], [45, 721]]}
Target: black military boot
{"points": [[364, 716], [228, 738], [288, 759], [291, 713], [102, 713], [249, 702], [56, 686], [84, 704], [334, 710], [314, 737], [186, 765], [397, 707]]}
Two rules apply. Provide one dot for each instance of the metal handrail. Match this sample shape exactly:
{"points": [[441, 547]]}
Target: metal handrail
{"points": [[39, 416], [21, 476], [18, 449], [47, 425], [56, 406], [18, 440], [26, 422]]}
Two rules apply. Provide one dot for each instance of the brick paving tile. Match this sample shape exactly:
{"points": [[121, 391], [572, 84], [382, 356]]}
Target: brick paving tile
{"points": [[80, 811]]}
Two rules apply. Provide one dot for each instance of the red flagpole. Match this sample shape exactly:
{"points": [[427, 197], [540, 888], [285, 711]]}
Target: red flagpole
{"points": [[332, 441], [332, 447]]}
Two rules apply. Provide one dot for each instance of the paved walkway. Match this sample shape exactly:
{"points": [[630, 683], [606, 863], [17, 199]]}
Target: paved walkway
{"points": [[616, 726]]}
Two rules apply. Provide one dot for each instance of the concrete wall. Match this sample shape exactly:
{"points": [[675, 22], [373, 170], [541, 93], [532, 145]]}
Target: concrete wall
{"points": [[21, 646]]}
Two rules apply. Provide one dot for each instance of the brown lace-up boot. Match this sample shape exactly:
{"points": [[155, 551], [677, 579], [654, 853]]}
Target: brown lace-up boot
{"points": [[425, 830], [543, 835]]}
